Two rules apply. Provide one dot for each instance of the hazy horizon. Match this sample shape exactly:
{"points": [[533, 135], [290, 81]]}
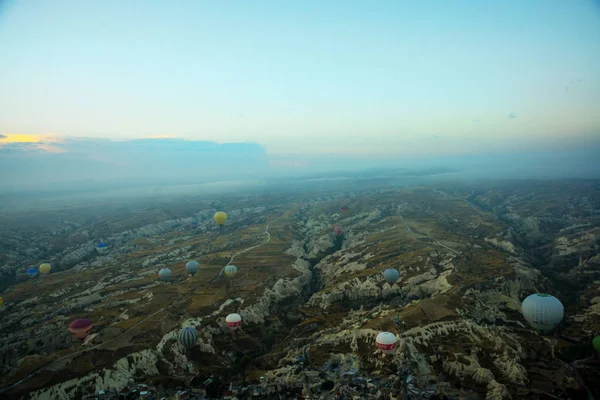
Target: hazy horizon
{"points": [[78, 163]]}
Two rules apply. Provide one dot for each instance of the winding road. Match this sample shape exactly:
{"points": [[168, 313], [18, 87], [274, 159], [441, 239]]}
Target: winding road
{"points": [[178, 301], [244, 251]]}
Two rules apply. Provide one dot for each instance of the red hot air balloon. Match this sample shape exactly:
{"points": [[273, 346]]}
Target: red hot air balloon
{"points": [[338, 229], [344, 210], [81, 328]]}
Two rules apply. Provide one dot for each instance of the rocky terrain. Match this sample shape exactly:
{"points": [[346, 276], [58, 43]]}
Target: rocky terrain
{"points": [[312, 302]]}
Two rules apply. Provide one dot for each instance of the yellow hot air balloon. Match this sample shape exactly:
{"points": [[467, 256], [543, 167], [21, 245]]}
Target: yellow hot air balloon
{"points": [[45, 268], [220, 217]]}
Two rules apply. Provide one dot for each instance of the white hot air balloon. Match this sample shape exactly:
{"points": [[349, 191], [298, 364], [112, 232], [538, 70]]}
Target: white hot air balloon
{"points": [[386, 341], [542, 311], [233, 321]]}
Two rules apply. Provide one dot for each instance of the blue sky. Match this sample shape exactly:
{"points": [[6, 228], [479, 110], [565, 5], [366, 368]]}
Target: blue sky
{"points": [[307, 77]]}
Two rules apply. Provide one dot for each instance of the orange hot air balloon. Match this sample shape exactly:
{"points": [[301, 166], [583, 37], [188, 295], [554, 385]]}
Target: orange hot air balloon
{"points": [[81, 328], [344, 210]]}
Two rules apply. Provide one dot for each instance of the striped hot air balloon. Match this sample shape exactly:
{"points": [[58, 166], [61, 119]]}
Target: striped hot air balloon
{"points": [[192, 267], [338, 229], [230, 271], [542, 311], [233, 321], [102, 248], [188, 337], [81, 328], [386, 342]]}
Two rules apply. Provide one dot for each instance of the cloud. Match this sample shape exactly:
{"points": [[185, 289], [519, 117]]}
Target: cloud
{"points": [[141, 160], [512, 115], [14, 142]]}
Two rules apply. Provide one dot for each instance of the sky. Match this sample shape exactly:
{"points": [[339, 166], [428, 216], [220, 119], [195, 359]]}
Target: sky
{"points": [[371, 80]]}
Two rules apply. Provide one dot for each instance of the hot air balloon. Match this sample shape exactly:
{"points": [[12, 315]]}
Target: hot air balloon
{"points": [[45, 268], [188, 337], [391, 275], [230, 271], [596, 343], [386, 341], [102, 247], [165, 274], [81, 328], [32, 272], [192, 267], [542, 311], [344, 210], [338, 229], [220, 217], [2, 302], [233, 321]]}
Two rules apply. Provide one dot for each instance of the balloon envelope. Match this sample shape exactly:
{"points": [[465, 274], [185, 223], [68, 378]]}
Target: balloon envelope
{"points": [[1, 301], [101, 247], [542, 311], [233, 321], [188, 337], [32, 272], [81, 328], [165, 273], [596, 343], [344, 210], [231, 270], [338, 229], [45, 268], [391, 275], [386, 342], [192, 267], [220, 217]]}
